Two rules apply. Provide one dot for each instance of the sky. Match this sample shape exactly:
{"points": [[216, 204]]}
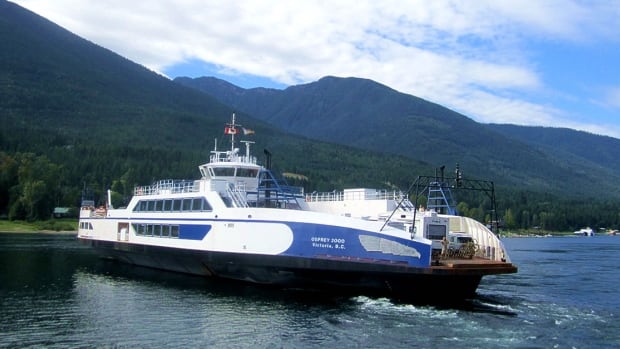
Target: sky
{"points": [[539, 63]]}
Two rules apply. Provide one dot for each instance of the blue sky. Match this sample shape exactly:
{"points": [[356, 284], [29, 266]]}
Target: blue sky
{"points": [[541, 63]]}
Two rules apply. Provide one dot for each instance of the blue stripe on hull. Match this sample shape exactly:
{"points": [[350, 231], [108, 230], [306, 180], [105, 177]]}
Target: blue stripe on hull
{"points": [[193, 231]]}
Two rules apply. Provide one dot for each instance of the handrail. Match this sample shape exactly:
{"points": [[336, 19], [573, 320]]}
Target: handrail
{"points": [[227, 156], [236, 195], [166, 186], [395, 195]]}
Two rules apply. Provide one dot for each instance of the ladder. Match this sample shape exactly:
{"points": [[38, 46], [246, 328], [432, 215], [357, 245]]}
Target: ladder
{"points": [[236, 195], [440, 198]]}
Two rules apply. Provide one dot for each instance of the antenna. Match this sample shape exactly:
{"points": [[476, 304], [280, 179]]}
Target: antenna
{"points": [[247, 148]]}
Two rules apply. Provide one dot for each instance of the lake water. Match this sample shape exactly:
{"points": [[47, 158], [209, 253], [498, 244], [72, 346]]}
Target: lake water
{"points": [[55, 293]]}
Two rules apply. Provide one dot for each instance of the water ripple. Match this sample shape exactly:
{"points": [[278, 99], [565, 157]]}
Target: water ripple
{"points": [[54, 294]]}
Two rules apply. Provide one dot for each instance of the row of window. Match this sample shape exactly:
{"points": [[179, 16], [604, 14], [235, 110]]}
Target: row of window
{"points": [[173, 205], [230, 172], [86, 225], [156, 230]]}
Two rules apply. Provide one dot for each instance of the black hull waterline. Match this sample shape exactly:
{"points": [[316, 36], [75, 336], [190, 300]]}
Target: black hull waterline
{"points": [[321, 273]]}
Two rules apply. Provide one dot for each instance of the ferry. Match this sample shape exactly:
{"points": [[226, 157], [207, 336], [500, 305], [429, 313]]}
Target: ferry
{"points": [[238, 221]]}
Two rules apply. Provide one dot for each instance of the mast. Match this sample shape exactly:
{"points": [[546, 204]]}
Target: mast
{"points": [[232, 131]]}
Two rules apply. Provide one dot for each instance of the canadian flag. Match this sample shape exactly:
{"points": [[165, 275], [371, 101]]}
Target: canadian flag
{"points": [[230, 131]]}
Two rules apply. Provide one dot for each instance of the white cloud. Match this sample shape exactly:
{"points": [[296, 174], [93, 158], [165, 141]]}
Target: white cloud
{"points": [[611, 97], [468, 55]]}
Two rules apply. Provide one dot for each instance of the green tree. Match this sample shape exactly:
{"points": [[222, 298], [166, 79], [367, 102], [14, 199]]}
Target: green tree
{"points": [[509, 219], [8, 179], [462, 208], [37, 189]]}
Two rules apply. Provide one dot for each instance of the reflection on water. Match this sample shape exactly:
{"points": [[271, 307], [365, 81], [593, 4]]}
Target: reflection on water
{"points": [[56, 293]]}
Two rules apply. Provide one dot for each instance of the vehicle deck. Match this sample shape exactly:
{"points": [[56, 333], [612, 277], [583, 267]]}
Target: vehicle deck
{"points": [[479, 264]]}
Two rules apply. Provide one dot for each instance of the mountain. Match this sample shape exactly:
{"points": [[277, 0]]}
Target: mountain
{"points": [[54, 82], [597, 152], [368, 115], [103, 118]]}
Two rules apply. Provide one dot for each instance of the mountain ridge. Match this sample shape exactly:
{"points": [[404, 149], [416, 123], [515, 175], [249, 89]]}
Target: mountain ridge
{"points": [[383, 117]]}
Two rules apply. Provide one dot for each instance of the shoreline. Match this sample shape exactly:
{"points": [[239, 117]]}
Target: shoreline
{"points": [[60, 232], [58, 226]]}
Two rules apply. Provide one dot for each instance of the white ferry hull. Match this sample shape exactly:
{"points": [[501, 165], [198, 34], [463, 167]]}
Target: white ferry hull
{"points": [[304, 250]]}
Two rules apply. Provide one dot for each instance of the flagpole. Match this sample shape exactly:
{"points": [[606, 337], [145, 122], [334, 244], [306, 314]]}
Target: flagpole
{"points": [[232, 136]]}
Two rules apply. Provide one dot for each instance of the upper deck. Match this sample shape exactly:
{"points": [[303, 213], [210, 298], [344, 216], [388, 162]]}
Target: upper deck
{"points": [[167, 186], [232, 156]]}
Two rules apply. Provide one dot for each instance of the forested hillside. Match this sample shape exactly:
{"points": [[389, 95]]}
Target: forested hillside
{"points": [[594, 151], [368, 115], [77, 116]]}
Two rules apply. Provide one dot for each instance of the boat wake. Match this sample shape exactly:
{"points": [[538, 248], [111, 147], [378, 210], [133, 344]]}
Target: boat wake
{"points": [[480, 304]]}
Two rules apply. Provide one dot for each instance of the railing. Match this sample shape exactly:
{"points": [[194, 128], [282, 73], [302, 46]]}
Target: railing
{"points": [[466, 251], [325, 196], [395, 195], [166, 186], [228, 156], [237, 194]]}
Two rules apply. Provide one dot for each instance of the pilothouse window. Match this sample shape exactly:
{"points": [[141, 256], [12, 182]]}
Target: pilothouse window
{"points": [[224, 171], [247, 172]]}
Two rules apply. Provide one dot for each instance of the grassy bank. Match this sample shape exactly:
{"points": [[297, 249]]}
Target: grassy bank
{"points": [[533, 233], [56, 225]]}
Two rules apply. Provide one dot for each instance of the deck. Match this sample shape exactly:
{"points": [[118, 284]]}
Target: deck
{"points": [[475, 264]]}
